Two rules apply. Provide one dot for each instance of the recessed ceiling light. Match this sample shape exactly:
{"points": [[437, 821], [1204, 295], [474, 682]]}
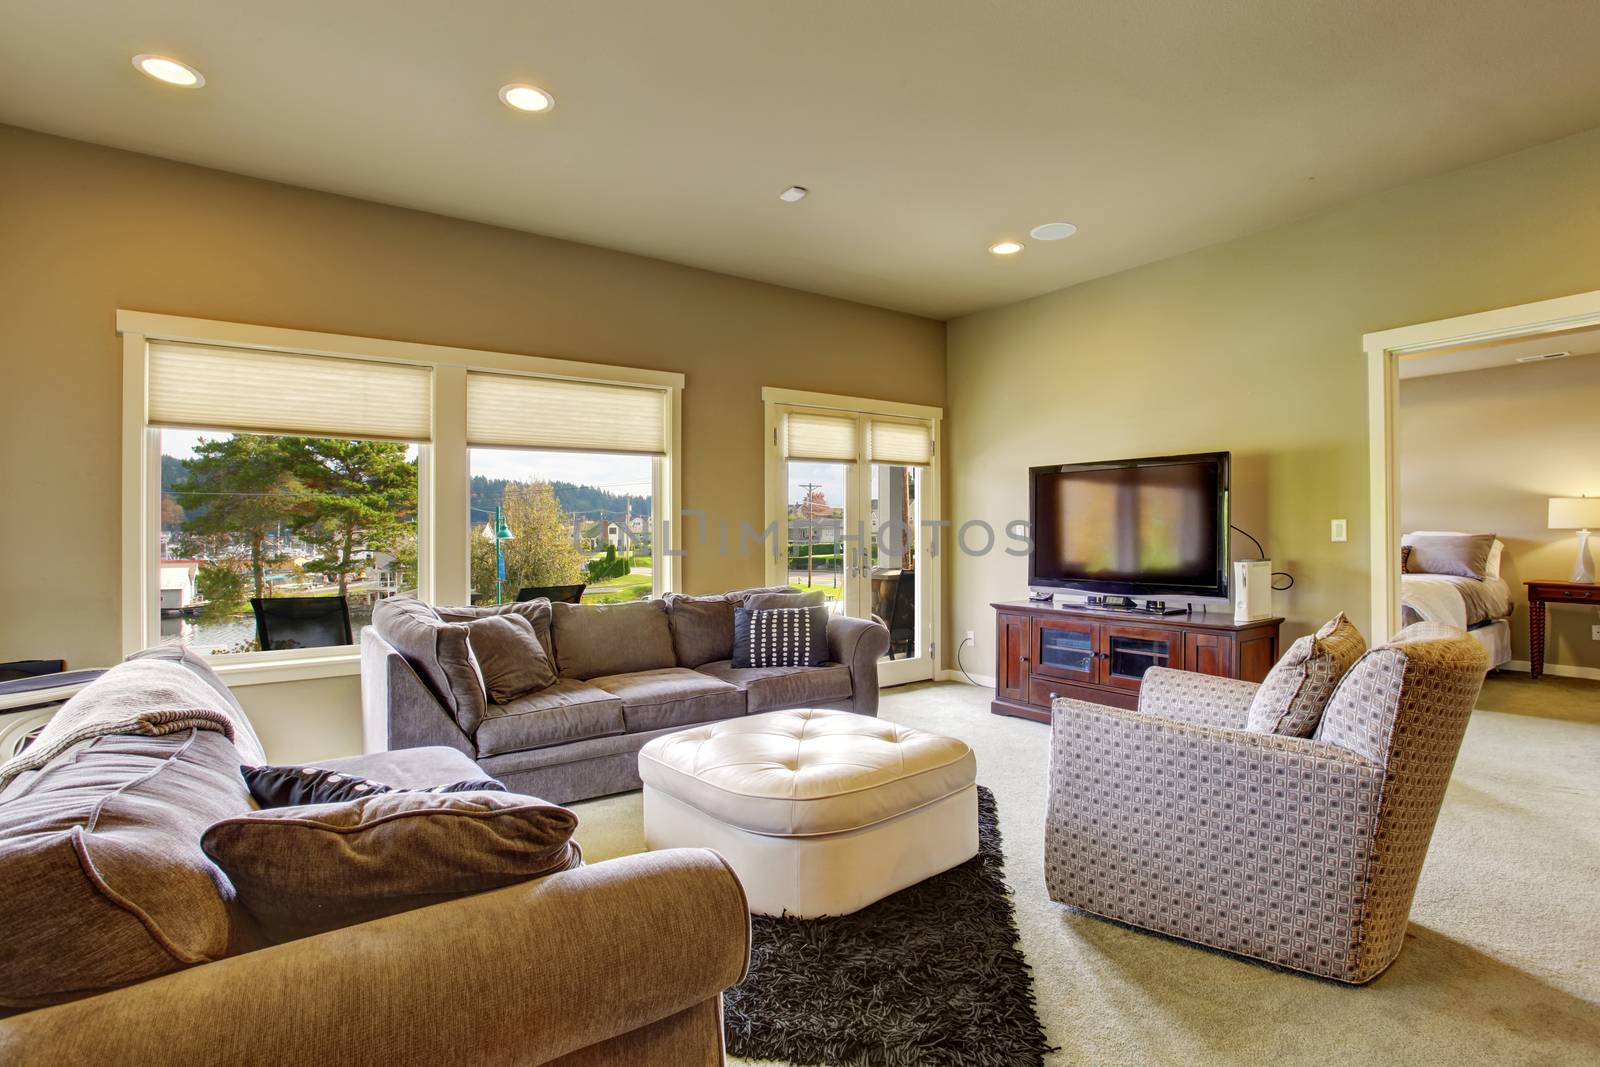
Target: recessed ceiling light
{"points": [[526, 98], [168, 70], [794, 194], [1006, 248], [1052, 231]]}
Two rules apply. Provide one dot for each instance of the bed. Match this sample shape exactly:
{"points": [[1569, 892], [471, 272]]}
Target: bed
{"points": [[1480, 606]]}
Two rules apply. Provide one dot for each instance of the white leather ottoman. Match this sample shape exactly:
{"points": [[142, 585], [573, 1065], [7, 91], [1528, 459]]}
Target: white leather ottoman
{"points": [[819, 812]]}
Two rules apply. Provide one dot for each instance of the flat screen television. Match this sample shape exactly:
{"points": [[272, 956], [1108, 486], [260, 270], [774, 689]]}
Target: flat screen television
{"points": [[1151, 527]]}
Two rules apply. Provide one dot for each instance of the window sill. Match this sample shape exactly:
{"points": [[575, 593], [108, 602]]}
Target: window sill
{"points": [[264, 672]]}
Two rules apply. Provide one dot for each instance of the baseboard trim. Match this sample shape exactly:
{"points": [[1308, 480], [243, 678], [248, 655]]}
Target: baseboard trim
{"points": [[977, 679], [1559, 670]]}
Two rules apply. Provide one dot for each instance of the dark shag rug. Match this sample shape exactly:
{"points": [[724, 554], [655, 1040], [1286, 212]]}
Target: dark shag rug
{"points": [[929, 976]]}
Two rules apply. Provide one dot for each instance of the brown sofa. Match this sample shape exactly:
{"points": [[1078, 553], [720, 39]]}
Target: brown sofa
{"points": [[626, 673], [124, 945]]}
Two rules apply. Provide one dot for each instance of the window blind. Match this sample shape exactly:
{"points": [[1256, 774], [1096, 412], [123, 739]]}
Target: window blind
{"points": [[558, 414], [201, 387], [905, 444], [815, 435]]}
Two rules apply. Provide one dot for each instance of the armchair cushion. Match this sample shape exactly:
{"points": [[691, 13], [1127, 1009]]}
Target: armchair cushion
{"points": [[1187, 696], [1291, 699]]}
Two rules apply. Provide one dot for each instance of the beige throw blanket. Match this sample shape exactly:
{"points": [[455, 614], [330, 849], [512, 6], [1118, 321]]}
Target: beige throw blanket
{"points": [[142, 696]]}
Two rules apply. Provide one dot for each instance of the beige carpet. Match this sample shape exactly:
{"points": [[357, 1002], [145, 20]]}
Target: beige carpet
{"points": [[1502, 963]]}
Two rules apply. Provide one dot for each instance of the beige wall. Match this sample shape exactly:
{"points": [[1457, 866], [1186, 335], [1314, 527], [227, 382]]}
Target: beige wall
{"points": [[85, 230], [1253, 346], [1484, 451]]}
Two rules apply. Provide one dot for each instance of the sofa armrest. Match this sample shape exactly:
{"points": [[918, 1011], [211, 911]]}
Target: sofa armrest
{"points": [[859, 644], [1197, 698], [398, 710], [524, 975]]}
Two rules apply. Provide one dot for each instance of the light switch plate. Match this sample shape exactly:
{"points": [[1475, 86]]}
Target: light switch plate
{"points": [[1594, 633], [1339, 531]]}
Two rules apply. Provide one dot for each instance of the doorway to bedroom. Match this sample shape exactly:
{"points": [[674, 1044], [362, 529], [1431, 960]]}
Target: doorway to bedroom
{"points": [[1493, 450]]}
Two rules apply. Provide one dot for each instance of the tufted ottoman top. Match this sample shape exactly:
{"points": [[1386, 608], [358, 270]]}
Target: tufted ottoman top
{"points": [[803, 772]]}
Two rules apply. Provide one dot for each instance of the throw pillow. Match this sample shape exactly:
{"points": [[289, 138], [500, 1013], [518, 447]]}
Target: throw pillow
{"points": [[304, 870], [780, 637], [702, 628], [282, 787], [1462, 555], [536, 612], [510, 658], [1293, 695]]}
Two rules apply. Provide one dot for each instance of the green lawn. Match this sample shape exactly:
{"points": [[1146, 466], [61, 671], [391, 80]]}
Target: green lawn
{"points": [[635, 586]]}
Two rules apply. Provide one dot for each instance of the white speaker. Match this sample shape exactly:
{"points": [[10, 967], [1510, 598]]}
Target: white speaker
{"points": [[1252, 590]]}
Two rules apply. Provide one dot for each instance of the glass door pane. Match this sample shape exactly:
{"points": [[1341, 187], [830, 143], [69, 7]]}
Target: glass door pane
{"points": [[895, 582], [817, 523]]}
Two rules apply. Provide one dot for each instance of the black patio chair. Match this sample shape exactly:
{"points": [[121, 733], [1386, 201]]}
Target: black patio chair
{"points": [[902, 620], [556, 594], [302, 622]]}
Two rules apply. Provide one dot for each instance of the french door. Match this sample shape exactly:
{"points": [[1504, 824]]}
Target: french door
{"points": [[852, 496]]}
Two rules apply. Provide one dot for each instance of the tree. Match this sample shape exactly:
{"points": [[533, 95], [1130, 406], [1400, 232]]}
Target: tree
{"points": [[222, 588], [172, 515], [541, 551], [357, 497], [237, 491]]}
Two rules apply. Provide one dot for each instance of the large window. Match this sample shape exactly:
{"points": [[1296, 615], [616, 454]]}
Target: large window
{"points": [[564, 519], [271, 517], [279, 483]]}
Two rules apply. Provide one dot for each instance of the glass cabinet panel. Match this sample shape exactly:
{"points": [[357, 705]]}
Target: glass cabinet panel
{"points": [[1130, 657], [1067, 650]]}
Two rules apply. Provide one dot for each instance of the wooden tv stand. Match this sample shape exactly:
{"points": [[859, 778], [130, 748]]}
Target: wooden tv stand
{"points": [[1091, 654]]}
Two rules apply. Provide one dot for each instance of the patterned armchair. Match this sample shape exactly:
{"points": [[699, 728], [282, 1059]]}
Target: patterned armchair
{"points": [[1301, 852]]}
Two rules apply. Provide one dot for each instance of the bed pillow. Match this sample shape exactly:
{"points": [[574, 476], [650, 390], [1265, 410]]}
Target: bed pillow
{"points": [[304, 870], [1295, 692], [1461, 555], [1496, 550]]}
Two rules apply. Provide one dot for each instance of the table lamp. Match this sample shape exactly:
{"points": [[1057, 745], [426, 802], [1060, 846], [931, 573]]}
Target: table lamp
{"points": [[1581, 513]]}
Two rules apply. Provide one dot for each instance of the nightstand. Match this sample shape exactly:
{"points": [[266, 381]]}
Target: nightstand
{"points": [[1542, 593]]}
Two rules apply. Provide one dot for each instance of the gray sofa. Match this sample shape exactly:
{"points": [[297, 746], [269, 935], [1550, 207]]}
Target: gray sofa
{"points": [[626, 673], [126, 946]]}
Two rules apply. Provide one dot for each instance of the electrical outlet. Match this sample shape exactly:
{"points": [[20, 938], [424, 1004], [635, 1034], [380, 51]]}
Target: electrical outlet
{"points": [[1340, 532], [1594, 633], [970, 641]]}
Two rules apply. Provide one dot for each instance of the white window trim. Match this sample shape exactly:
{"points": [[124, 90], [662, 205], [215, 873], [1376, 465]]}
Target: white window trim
{"points": [[776, 401], [443, 474]]}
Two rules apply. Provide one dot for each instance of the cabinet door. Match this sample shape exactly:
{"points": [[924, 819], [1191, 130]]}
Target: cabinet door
{"points": [[1258, 652], [1126, 652], [1011, 656], [1208, 653], [1064, 649]]}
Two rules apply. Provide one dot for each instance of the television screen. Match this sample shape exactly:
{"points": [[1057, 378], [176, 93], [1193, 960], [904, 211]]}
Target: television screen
{"points": [[1133, 527]]}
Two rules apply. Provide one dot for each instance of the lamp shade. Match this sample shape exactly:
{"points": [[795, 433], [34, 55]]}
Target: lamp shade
{"points": [[1575, 513]]}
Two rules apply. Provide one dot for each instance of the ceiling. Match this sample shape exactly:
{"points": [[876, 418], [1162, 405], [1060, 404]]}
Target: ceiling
{"points": [[1585, 342], [925, 129]]}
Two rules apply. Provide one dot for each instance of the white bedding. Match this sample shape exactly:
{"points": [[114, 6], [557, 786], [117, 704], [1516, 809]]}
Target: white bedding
{"points": [[1459, 602]]}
